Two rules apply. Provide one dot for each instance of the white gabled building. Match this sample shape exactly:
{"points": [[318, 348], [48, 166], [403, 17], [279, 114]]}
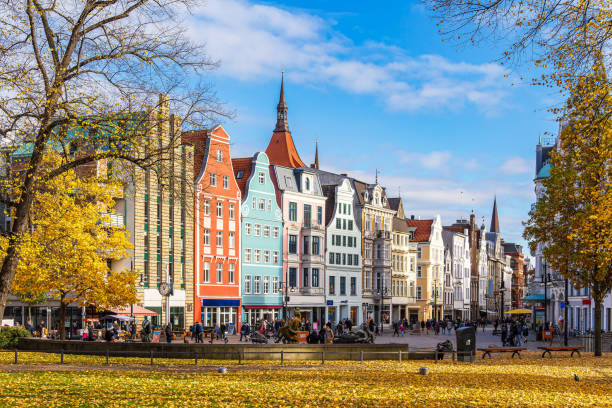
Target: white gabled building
{"points": [[343, 259]]}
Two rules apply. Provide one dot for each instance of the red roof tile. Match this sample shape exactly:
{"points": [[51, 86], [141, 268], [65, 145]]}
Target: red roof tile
{"points": [[282, 151], [423, 229], [244, 164]]}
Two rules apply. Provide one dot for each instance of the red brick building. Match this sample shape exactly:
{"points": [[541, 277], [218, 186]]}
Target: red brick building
{"points": [[216, 229], [517, 263]]}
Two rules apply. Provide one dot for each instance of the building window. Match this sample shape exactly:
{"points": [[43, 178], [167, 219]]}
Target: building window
{"points": [[292, 277], [276, 232], [206, 272], [266, 285], [247, 284], [219, 156], [307, 215], [332, 285], [305, 278], [219, 209], [226, 182], [232, 269], [262, 204], [338, 257], [266, 257], [247, 255], [343, 259], [257, 285], [247, 228], [257, 257], [269, 205], [307, 184], [331, 258], [315, 245], [266, 231], [338, 223], [231, 211], [419, 293], [213, 180], [206, 237], [419, 271], [419, 252], [319, 215], [231, 240], [206, 207], [254, 202], [292, 211], [219, 272], [293, 244], [342, 285], [219, 239], [275, 257], [257, 230], [261, 176], [315, 277], [240, 174], [344, 240], [368, 252], [350, 225], [353, 286], [275, 285]]}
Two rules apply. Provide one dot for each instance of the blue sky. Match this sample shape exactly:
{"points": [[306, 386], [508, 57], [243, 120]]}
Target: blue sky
{"points": [[380, 90]]}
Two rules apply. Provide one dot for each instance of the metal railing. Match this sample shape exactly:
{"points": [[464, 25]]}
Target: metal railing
{"points": [[239, 356]]}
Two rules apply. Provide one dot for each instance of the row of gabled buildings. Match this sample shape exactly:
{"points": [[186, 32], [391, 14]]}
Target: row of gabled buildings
{"points": [[261, 237]]}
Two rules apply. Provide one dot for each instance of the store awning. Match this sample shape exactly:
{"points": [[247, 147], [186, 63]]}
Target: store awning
{"points": [[221, 302], [134, 310], [262, 307], [519, 311], [534, 298]]}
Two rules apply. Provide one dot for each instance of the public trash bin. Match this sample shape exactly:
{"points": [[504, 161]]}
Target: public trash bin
{"points": [[466, 343]]}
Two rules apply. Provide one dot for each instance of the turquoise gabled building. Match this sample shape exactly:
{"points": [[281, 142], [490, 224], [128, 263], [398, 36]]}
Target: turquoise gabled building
{"points": [[261, 246]]}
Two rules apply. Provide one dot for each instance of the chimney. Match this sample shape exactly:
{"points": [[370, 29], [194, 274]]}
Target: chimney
{"points": [[344, 174]]}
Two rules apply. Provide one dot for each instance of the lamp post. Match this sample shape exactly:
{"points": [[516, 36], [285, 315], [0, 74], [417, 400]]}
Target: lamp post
{"points": [[502, 289], [545, 282], [565, 313]]}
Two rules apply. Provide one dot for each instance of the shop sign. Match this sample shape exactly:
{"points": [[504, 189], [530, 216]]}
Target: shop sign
{"points": [[586, 301]]}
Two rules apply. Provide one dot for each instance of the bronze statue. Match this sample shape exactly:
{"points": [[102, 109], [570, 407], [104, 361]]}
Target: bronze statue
{"points": [[289, 332], [146, 334]]}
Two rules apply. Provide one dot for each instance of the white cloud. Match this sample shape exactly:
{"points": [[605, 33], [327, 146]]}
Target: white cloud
{"points": [[253, 41], [515, 165]]}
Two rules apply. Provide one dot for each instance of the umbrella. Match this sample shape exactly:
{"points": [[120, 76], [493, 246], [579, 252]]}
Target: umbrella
{"points": [[519, 311], [118, 318]]}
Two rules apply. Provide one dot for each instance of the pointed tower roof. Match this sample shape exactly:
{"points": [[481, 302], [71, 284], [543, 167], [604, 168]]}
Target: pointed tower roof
{"points": [[494, 218], [315, 165], [281, 149]]}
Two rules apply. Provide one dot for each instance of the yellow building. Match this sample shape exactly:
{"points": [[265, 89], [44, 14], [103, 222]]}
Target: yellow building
{"points": [[430, 267]]}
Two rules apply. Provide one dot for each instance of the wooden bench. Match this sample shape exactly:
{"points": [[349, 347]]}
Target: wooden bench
{"points": [[548, 349], [514, 350]]}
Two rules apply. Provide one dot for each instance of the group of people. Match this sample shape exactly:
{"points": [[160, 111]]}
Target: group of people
{"points": [[217, 333], [513, 332]]}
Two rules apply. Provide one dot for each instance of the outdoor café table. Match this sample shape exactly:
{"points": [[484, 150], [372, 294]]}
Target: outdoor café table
{"points": [[514, 350]]}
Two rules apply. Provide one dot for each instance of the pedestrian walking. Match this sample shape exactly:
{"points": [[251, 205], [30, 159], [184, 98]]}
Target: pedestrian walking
{"points": [[168, 331]]}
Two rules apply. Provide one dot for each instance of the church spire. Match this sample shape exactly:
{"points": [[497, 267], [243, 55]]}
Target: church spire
{"points": [[315, 165], [281, 149], [281, 109], [494, 218]]}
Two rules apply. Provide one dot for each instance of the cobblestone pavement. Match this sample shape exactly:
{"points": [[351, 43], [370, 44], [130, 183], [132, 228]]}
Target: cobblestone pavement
{"points": [[423, 340]]}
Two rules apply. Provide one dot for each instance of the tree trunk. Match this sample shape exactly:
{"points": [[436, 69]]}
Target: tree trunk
{"points": [[62, 327], [597, 344]]}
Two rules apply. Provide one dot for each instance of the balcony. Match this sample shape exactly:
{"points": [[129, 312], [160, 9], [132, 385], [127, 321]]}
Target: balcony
{"points": [[383, 263], [312, 291], [318, 259], [383, 235]]}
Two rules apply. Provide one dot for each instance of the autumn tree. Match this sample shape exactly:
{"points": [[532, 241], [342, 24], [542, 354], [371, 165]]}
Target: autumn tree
{"points": [[64, 254], [90, 64], [573, 218]]}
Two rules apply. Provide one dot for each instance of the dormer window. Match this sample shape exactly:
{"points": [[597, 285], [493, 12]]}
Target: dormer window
{"points": [[365, 196], [240, 174], [384, 201], [376, 199], [307, 184]]}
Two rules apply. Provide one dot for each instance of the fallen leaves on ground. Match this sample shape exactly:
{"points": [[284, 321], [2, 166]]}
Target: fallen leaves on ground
{"points": [[500, 382]]}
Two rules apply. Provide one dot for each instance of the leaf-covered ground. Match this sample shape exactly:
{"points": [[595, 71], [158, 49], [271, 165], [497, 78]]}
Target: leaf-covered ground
{"points": [[83, 381]]}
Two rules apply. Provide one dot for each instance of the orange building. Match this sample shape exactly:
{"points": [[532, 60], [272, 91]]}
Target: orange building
{"points": [[216, 229]]}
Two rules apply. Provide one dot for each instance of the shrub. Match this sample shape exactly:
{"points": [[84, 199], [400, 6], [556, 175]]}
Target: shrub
{"points": [[9, 336]]}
